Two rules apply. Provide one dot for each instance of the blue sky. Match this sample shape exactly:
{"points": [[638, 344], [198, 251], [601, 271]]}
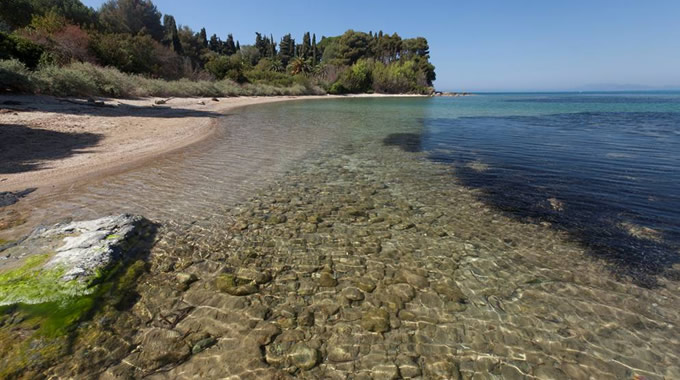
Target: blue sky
{"points": [[480, 45]]}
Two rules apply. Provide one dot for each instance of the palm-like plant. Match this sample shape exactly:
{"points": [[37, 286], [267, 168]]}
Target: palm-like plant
{"points": [[300, 66]]}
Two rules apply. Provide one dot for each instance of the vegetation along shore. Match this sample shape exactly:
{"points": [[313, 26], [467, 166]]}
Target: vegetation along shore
{"points": [[127, 48]]}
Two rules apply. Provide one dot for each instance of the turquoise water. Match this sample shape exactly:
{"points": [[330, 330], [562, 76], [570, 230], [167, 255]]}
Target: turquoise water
{"points": [[494, 236]]}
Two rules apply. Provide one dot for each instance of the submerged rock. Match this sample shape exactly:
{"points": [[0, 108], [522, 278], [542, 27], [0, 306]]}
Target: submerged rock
{"points": [[235, 286], [65, 259]]}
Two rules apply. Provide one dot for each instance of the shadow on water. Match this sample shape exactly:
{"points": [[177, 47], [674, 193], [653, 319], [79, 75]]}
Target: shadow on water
{"points": [[534, 186], [408, 142], [597, 229], [24, 149]]}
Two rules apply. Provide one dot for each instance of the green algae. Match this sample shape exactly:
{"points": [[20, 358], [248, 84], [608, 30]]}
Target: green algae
{"points": [[31, 284], [34, 335]]}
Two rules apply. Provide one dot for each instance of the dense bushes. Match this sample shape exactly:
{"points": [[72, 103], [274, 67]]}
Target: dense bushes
{"points": [[15, 47], [55, 36], [138, 54], [14, 76], [85, 79]]}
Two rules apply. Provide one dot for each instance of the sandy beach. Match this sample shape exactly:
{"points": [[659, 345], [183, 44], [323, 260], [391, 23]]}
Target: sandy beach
{"points": [[50, 142]]}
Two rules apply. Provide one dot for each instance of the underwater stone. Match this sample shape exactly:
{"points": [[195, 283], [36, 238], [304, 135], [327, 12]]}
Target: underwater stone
{"points": [[304, 357], [235, 286], [326, 280], [202, 345], [376, 320]]}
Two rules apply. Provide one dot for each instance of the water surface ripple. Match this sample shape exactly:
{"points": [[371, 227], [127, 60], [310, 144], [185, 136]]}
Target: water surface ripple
{"points": [[404, 238]]}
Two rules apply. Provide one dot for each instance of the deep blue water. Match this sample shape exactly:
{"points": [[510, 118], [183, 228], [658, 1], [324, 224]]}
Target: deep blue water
{"points": [[590, 164]]}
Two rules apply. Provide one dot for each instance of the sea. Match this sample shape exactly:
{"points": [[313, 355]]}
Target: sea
{"points": [[497, 235]]}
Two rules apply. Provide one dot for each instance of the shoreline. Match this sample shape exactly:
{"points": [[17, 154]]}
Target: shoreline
{"points": [[121, 134]]}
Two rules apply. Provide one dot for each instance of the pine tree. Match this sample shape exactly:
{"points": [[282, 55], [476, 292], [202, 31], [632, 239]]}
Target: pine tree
{"points": [[238, 46]]}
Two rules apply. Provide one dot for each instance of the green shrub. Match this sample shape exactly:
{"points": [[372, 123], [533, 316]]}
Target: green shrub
{"points": [[226, 67], [66, 81], [13, 46], [14, 76], [358, 78], [85, 79]]}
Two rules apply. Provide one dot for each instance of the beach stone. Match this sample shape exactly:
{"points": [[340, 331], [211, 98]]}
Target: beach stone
{"points": [[376, 320], [76, 253]]}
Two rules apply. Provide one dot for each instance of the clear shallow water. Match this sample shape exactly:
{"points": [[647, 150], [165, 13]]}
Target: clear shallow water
{"points": [[604, 167], [403, 237]]}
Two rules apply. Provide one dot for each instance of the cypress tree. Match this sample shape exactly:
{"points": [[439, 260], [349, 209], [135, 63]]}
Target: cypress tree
{"points": [[314, 49], [229, 45], [306, 47], [170, 35], [203, 37], [272, 46], [215, 44], [286, 49]]}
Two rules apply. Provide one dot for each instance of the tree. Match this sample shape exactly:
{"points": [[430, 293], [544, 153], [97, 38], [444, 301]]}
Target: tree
{"points": [[314, 50], [171, 37], [306, 47], [131, 17], [261, 45], [286, 49], [138, 54], [226, 67], [203, 38], [416, 47], [23, 49], [352, 46], [250, 54], [63, 41], [192, 45], [16, 13], [229, 45], [299, 65], [215, 44]]}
